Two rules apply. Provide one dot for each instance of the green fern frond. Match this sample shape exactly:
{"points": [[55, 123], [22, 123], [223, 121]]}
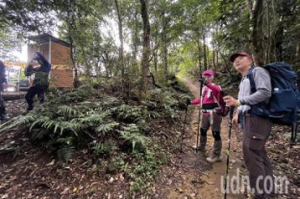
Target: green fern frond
{"points": [[134, 139], [39, 134], [67, 140], [131, 134], [93, 118], [65, 153], [131, 128], [182, 97], [153, 114], [105, 128], [170, 101], [75, 126], [101, 149], [110, 101], [47, 122], [17, 121], [68, 111], [125, 111], [69, 126]]}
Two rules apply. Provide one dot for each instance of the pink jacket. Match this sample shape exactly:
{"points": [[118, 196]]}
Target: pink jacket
{"points": [[208, 93]]}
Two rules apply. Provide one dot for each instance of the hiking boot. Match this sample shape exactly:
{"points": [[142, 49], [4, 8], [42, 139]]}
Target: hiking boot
{"points": [[4, 117], [29, 108], [216, 154], [214, 158], [203, 141]]}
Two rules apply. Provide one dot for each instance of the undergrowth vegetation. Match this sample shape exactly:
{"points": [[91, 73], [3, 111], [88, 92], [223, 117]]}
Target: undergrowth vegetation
{"points": [[95, 117]]}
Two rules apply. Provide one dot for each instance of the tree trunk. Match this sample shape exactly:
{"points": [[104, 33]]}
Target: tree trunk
{"points": [[257, 33], [88, 70], [199, 57], [76, 79], [70, 27], [217, 58], [135, 38], [214, 60], [278, 43], [165, 61], [204, 51], [297, 56], [250, 6], [268, 53], [121, 50], [225, 60], [164, 46], [207, 57], [146, 49], [155, 60]]}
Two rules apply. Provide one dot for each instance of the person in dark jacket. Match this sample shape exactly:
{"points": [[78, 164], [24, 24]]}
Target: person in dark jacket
{"points": [[3, 82], [39, 68]]}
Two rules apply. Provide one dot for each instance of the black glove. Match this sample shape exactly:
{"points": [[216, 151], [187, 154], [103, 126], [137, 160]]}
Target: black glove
{"points": [[188, 101], [203, 82]]}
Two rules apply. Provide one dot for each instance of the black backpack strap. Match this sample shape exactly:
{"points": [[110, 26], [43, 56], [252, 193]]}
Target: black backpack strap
{"points": [[259, 109], [251, 79]]}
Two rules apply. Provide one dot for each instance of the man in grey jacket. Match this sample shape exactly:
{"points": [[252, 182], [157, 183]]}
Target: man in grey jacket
{"points": [[256, 129]]}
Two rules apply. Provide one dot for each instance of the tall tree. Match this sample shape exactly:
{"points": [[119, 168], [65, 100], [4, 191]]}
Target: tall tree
{"points": [[258, 33], [146, 48], [164, 52], [121, 50]]}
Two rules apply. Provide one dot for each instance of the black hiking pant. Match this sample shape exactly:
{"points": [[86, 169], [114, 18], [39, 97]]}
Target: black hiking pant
{"points": [[32, 91], [256, 133], [2, 107]]}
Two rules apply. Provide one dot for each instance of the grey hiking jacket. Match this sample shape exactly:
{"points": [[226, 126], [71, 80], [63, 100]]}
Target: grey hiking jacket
{"points": [[263, 89]]}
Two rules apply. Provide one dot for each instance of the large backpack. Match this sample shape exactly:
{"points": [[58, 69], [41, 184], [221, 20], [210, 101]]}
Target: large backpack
{"points": [[284, 105], [223, 110]]}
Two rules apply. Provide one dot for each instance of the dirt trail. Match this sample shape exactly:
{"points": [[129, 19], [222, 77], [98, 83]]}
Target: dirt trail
{"points": [[192, 176]]}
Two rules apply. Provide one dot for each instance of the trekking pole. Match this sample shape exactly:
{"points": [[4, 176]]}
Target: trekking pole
{"points": [[295, 127], [184, 125], [199, 116], [228, 150]]}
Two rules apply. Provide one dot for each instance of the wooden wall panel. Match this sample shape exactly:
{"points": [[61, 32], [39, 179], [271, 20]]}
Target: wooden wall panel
{"points": [[60, 55], [62, 78]]}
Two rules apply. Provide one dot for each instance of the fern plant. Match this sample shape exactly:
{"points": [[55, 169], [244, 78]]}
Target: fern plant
{"points": [[131, 134], [86, 116], [102, 149], [106, 127], [68, 111], [127, 113], [17, 121], [65, 153]]}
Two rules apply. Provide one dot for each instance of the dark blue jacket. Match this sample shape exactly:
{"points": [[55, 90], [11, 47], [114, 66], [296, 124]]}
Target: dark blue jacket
{"points": [[41, 73], [2, 75]]}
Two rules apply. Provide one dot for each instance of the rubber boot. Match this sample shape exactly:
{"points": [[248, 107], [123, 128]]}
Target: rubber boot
{"points": [[3, 116], [216, 154], [203, 141]]}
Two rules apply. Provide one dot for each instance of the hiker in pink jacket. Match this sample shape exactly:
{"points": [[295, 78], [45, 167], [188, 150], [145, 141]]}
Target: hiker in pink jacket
{"points": [[210, 118]]}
